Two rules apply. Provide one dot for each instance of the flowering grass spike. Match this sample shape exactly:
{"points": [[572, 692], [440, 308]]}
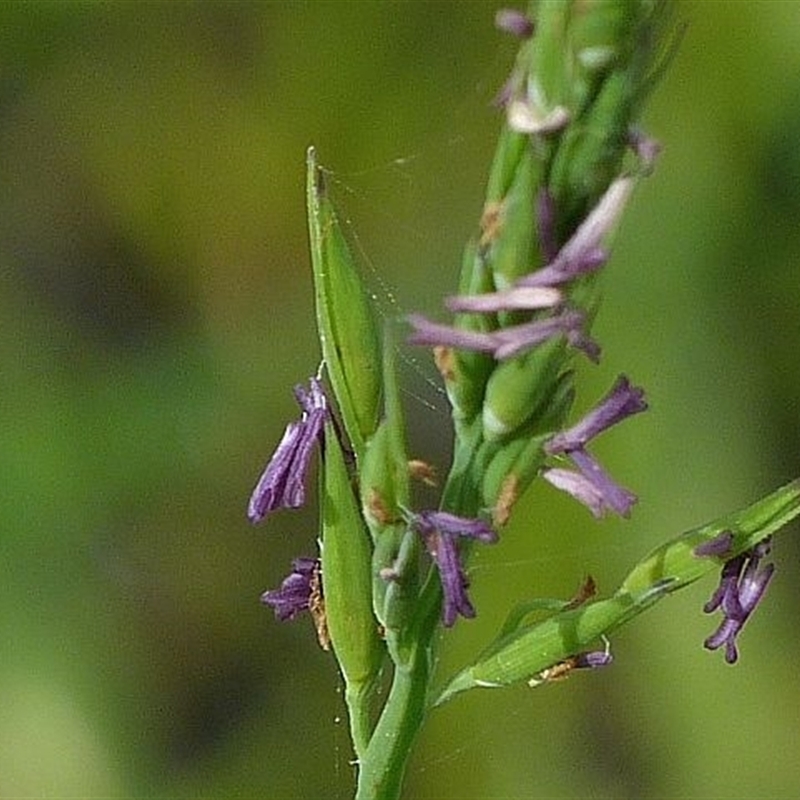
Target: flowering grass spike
{"points": [[390, 578]]}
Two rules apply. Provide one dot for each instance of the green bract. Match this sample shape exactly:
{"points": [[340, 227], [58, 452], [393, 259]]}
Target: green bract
{"points": [[675, 560], [385, 496], [465, 373], [519, 389], [513, 250], [523, 651], [531, 649], [345, 318], [347, 588], [510, 149]]}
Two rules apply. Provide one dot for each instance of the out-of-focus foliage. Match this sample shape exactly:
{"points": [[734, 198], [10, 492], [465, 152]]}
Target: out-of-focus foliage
{"points": [[156, 307]]}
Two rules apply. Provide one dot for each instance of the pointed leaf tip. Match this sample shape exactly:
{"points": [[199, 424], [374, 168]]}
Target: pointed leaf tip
{"points": [[346, 322], [316, 177]]}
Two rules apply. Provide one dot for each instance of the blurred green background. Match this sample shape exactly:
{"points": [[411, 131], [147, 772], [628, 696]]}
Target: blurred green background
{"points": [[155, 310]]}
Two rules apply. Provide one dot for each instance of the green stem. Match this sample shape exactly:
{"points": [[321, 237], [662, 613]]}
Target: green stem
{"points": [[383, 764], [358, 697], [382, 767]]}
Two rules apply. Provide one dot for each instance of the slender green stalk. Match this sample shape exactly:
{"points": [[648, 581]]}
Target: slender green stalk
{"points": [[384, 762], [358, 699], [381, 770]]}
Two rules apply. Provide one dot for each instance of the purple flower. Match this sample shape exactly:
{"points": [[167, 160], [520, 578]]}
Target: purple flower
{"points": [[592, 486], [546, 224], [583, 252], [300, 591], [621, 402], [720, 545], [438, 335], [581, 255], [296, 589], [645, 147], [562, 270], [590, 494], [591, 659], [507, 91], [514, 22], [599, 222], [282, 484], [505, 342], [439, 530], [742, 585], [526, 298], [517, 24]]}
